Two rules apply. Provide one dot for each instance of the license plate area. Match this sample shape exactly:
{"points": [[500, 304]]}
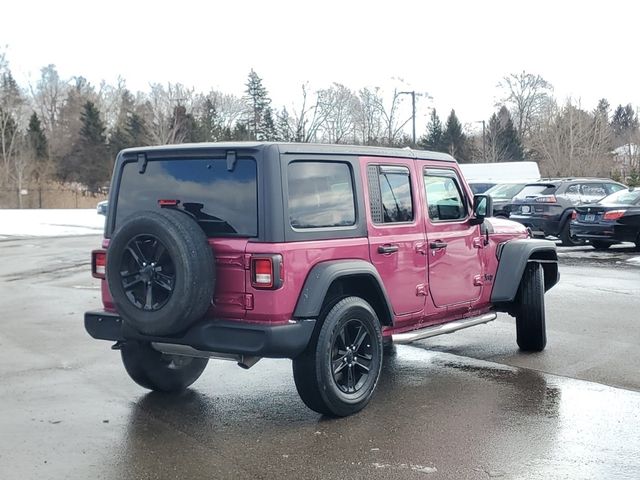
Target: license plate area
{"points": [[590, 217]]}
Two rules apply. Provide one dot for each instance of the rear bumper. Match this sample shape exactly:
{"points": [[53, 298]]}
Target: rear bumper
{"points": [[220, 336], [604, 232], [540, 226]]}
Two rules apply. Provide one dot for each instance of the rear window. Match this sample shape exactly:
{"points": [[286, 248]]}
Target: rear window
{"points": [[320, 195], [505, 190], [225, 203], [536, 190]]}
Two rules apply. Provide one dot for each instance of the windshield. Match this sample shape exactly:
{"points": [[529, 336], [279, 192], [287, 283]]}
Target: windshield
{"points": [[225, 203], [505, 190], [623, 197]]}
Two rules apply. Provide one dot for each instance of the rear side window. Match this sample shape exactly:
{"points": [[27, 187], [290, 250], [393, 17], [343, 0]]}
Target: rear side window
{"points": [[444, 197], [592, 192], [225, 203], [320, 195], [390, 194]]}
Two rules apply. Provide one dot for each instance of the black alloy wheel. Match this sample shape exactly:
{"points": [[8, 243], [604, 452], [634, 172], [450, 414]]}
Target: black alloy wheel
{"points": [[147, 273], [352, 353], [339, 370]]}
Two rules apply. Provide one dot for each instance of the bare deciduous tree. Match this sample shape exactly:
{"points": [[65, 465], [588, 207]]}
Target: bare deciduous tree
{"points": [[526, 94], [12, 108], [570, 141]]}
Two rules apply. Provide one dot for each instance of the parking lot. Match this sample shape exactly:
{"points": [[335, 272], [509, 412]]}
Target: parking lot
{"points": [[461, 406]]}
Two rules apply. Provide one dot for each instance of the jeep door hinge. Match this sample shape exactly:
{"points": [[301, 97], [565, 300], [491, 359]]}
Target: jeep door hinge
{"points": [[421, 290], [478, 281], [421, 247], [478, 242]]}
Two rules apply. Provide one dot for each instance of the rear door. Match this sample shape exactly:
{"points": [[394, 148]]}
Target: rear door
{"points": [[454, 244], [396, 235], [223, 200]]}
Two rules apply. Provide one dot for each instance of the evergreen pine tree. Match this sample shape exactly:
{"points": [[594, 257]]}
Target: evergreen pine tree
{"points": [[89, 159], [454, 140], [259, 117], [508, 138], [602, 110], [624, 124], [209, 126], [130, 129], [37, 145], [283, 127], [433, 140]]}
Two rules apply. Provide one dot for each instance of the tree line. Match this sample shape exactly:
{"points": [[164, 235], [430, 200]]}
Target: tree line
{"points": [[69, 131]]}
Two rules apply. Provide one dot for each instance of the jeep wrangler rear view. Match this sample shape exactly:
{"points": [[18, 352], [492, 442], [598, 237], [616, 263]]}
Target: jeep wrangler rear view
{"points": [[324, 254]]}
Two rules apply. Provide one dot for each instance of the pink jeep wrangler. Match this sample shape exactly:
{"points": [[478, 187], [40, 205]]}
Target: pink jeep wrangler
{"points": [[324, 254]]}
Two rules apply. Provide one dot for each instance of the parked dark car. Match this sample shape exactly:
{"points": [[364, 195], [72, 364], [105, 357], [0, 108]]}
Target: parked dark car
{"points": [[546, 206], [502, 194], [613, 219]]}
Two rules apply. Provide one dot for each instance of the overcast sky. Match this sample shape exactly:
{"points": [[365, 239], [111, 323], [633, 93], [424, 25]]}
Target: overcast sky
{"points": [[457, 51]]}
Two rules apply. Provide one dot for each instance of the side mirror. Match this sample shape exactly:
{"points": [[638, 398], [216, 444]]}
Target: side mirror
{"points": [[482, 208]]}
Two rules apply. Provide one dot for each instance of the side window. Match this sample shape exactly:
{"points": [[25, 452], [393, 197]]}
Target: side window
{"points": [[320, 195], [390, 194], [614, 187], [444, 198], [592, 192], [573, 192]]}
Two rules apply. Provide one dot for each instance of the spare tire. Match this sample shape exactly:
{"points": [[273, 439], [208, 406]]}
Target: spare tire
{"points": [[160, 271]]}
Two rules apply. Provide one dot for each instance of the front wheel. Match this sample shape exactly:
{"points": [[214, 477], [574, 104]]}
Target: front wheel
{"points": [[531, 330], [338, 372], [157, 371]]}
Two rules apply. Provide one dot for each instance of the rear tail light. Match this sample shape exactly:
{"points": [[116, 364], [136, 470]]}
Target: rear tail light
{"points": [[574, 215], [98, 263], [266, 271], [613, 214], [546, 199]]}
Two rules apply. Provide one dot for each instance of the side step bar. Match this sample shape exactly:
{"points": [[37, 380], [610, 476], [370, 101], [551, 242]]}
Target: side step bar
{"points": [[434, 330]]}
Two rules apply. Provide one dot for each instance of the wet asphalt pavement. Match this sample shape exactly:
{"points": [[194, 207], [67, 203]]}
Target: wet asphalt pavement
{"points": [[461, 406]]}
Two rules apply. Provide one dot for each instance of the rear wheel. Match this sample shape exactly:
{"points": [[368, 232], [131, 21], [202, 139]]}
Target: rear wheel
{"points": [[338, 372], [599, 245], [568, 239], [157, 371], [530, 316]]}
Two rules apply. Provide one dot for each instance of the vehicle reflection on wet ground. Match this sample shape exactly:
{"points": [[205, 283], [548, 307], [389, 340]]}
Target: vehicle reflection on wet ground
{"points": [[434, 413]]}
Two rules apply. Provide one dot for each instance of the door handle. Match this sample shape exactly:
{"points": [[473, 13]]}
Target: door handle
{"points": [[387, 248], [438, 244]]}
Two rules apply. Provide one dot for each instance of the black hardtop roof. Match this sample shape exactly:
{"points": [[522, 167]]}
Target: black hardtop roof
{"points": [[300, 148]]}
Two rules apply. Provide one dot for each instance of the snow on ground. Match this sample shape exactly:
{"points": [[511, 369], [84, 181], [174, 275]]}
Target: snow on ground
{"points": [[49, 223]]}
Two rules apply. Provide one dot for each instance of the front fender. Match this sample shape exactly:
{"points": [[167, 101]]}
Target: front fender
{"points": [[514, 256]]}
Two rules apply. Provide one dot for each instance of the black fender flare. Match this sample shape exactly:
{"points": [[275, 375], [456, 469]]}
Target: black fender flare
{"points": [[513, 257], [323, 274]]}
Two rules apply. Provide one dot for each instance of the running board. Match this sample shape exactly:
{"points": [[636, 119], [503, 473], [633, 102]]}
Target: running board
{"points": [[441, 329]]}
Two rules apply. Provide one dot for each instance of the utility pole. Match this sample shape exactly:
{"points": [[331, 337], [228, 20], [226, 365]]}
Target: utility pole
{"points": [[413, 112]]}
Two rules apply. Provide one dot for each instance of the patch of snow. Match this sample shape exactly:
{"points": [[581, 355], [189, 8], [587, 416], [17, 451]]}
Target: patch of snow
{"points": [[634, 260], [49, 223]]}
